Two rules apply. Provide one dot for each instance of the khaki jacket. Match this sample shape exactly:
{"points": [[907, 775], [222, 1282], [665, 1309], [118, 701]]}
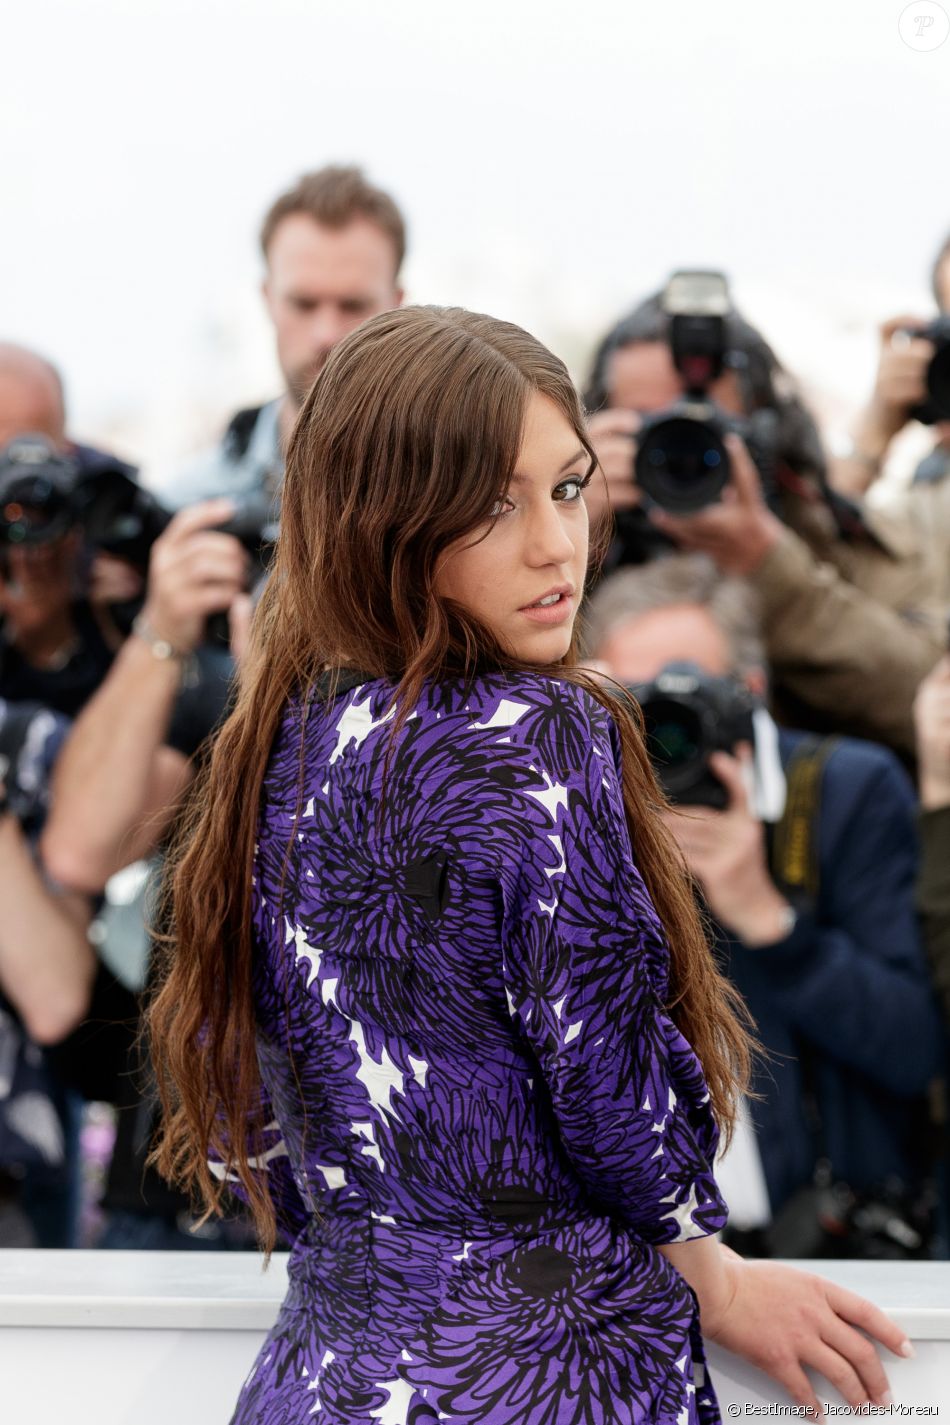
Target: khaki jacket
{"points": [[852, 627]]}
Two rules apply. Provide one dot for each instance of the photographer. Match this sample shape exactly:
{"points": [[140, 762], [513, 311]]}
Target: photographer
{"points": [[129, 758], [912, 383], [57, 638], [46, 974], [681, 396], [33, 403], [332, 246], [118, 785], [805, 854]]}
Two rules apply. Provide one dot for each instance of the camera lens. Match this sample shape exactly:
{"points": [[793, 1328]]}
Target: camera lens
{"points": [[33, 512], [674, 738], [681, 464]]}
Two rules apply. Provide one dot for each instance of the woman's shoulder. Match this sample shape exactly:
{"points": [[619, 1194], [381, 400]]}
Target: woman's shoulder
{"points": [[550, 722], [526, 709], [560, 697], [493, 698]]}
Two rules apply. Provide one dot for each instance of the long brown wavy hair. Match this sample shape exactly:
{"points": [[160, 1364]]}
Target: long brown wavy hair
{"points": [[404, 444]]}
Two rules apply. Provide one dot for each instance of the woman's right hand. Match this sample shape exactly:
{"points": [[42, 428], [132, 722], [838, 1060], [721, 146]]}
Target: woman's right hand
{"points": [[782, 1320]]}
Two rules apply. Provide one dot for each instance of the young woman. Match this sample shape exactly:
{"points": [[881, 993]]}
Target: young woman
{"points": [[438, 1002]]}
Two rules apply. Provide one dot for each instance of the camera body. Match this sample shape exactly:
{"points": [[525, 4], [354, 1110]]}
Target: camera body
{"points": [[688, 714], [682, 463], [37, 492], [937, 405], [45, 493]]}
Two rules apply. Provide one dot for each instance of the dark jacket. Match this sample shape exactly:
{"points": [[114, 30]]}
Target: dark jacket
{"points": [[849, 988], [933, 897]]}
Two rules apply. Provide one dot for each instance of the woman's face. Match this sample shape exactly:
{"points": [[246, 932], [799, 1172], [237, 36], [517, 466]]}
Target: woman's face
{"points": [[537, 544]]}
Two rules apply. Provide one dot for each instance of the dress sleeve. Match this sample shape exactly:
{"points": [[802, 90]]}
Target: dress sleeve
{"points": [[585, 964]]}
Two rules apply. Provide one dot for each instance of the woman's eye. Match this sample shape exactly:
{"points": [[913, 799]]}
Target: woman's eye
{"points": [[576, 484], [567, 492]]}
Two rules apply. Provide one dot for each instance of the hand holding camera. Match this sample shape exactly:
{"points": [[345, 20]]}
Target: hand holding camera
{"points": [[725, 851], [195, 570], [739, 531], [912, 383], [922, 357], [692, 459], [612, 434], [901, 380]]}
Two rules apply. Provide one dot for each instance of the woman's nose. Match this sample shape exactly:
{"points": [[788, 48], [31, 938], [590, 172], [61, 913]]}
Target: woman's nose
{"points": [[548, 540]]}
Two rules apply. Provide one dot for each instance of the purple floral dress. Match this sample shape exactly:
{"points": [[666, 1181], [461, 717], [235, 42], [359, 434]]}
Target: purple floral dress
{"points": [[483, 1118]]}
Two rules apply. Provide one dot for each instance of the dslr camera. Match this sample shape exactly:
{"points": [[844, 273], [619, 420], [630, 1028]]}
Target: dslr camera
{"points": [[44, 493], [688, 714], [937, 405], [682, 463], [37, 492]]}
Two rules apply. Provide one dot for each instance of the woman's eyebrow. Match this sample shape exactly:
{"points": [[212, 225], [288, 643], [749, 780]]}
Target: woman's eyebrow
{"points": [[579, 454]]}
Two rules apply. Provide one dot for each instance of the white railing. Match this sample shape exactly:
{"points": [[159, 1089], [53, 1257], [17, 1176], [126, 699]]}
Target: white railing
{"points": [[148, 1338]]}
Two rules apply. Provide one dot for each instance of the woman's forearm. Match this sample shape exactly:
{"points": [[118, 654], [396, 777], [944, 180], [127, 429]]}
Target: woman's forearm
{"points": [[705, 1264]]}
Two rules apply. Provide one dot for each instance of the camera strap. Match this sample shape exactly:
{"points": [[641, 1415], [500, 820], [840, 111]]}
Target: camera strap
{"points": [[237, 437], [793, 842], [793, 845]]}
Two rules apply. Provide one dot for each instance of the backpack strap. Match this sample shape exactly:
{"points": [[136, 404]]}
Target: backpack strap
{"points": [[237, 437]]}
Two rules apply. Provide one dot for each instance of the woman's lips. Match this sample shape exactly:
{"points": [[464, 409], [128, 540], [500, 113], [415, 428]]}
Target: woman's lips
{"points": [[550, 613]]}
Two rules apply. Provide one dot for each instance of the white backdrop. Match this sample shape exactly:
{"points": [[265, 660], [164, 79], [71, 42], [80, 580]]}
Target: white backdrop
{"points": [[555, 160]]}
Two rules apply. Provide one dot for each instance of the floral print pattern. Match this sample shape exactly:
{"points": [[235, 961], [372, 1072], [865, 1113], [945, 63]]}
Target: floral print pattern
{"points": [[483, 1121]]}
